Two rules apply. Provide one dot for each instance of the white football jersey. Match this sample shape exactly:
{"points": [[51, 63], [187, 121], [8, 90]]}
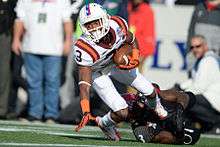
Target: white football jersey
{"points": [[88, 53]]}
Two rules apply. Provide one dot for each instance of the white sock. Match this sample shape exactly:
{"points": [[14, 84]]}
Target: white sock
{"points": [[107, 120], [157, 98], [153, 102]]}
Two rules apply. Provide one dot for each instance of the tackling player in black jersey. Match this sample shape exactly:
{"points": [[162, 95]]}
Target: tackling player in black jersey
{"points": [[147, 127]]}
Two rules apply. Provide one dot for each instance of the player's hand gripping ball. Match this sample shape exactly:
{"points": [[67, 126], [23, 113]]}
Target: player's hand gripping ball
{"points": [[121, 56], [126, 58]]}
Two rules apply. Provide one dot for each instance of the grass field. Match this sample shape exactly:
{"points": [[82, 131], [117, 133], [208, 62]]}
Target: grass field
{"points": [[14, 133]]}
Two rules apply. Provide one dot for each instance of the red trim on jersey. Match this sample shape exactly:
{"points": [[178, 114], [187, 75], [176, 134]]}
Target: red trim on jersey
{"points": [[121, 23], [88, 48]]}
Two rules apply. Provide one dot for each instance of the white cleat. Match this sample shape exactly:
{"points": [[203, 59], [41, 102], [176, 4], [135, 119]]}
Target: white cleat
{"points": [[110, 132], [161, 112]]}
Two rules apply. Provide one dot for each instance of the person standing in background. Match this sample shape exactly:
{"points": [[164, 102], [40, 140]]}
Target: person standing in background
{"points": [[6, 23], [46, 28], [141, 23]]}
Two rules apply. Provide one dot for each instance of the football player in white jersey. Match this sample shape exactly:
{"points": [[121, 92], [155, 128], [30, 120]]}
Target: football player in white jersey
{"points": [[93, 52]]}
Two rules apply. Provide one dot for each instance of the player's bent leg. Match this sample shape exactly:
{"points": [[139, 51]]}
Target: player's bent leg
{"points": [[107, 123], [119, 116], [147, 89], [108, 93], [139, 82], [108, 127]]}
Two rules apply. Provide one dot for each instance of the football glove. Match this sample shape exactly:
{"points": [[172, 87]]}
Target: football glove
{"points": [[86, 118]]}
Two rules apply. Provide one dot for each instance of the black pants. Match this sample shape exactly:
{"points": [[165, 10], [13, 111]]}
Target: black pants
{"points": [[16, 81], [5, 53], [204, 113]]}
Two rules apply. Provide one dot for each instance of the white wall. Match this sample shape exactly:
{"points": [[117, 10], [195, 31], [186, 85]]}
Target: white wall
{"points": [[171, 26]]}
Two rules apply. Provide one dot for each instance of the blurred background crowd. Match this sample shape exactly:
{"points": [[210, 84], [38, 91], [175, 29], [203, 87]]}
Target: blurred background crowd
{"points": [[39, 80]]}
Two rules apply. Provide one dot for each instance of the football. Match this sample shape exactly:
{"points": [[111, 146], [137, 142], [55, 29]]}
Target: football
{"points": [[121, 55]]}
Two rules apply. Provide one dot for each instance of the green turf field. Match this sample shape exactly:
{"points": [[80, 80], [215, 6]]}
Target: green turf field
{"points": [[13, 133]]}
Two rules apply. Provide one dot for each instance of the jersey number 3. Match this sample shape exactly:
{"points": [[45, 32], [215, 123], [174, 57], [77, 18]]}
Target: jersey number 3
{"points": [[78, 56]]}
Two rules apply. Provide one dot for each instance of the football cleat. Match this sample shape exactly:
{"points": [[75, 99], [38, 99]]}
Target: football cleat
{"points": [[110, 131]]}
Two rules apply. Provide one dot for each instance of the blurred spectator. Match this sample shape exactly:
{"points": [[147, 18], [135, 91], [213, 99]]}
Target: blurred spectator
{"points": [[206, 21], [116, 7], [6, 23], [141, 23], [205, 84], [42, 22]]}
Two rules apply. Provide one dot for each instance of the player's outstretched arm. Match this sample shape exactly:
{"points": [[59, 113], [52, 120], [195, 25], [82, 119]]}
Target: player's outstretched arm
{"points": [[84, 86], [175, 96]]}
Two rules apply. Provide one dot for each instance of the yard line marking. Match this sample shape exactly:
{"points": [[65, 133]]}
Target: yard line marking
{"points": [[56, 145]]}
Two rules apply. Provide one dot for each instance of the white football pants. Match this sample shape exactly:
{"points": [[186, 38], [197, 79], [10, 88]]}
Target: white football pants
{"points": [[107, 91]]}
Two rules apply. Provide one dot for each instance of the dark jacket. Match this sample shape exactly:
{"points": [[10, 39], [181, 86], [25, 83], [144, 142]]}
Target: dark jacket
{"points": [[206, 23], [7, 15]]}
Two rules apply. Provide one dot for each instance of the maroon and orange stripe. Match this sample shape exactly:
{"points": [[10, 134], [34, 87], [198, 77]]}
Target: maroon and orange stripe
{"points": [[121, 23], [88, 48]]}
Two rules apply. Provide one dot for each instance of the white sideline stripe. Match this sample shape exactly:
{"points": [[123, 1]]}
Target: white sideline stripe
{"points": [[52, 132], [55, 145], [37, 126], [210, 136], [56, 126], [46, 132]]}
